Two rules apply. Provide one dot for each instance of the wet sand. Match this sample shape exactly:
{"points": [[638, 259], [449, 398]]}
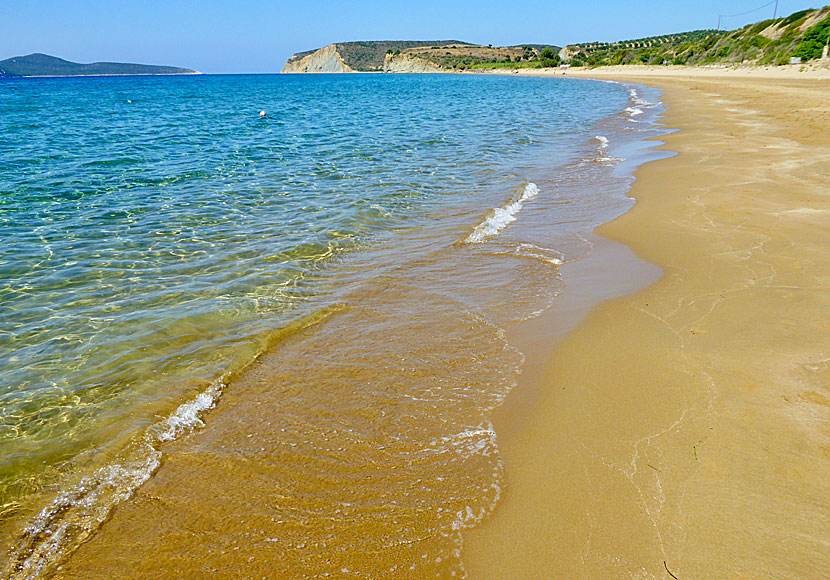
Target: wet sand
{"points": [[684, 431]]}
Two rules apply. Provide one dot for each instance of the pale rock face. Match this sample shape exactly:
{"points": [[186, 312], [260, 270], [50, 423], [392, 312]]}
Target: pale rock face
{"points": [[404, 63], [326, 59]]}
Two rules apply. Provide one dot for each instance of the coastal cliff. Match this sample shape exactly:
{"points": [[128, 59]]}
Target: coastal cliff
{"points": [[326, 59], [408, 63], [363, 56]]}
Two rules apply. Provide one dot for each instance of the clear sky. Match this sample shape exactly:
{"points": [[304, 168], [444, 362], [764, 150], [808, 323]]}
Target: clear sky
{"points": [[259, 35]]}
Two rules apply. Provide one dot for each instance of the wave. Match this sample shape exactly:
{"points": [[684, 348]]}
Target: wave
{"points": [[637, 99], [74, 515], [500, 217], [603, 157], [539, 253], [480, 441]]}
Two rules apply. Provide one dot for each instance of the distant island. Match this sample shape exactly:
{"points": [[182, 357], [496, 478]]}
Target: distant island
{"points": [[43, 65], [799, 37]]}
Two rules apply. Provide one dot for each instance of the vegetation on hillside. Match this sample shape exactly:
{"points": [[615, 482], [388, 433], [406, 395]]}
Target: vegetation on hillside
{"points": [[802, 34], [814, 40], [369, 55], [649, 50], [462, 57]]}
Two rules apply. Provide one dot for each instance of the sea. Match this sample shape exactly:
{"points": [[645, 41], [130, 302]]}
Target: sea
{"points": [[236, 345]]}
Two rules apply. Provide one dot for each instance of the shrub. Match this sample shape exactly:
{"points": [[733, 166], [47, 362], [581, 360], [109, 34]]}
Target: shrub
{"points": [[795, 17], [756, 41], [761, 26], [814, 40], [618, 57], [547, 53]]}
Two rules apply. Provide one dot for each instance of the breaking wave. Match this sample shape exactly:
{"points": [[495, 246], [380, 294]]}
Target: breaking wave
{"points": [[500, 217], [76, 514]]}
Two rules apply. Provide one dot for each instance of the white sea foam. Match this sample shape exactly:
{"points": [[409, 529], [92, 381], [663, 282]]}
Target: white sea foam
{"points": [[76, 514], [603, 158], [470, 443], [539, 253], [501, 217], [634, 111], [188, 415], [637, 99], [480, 441]]}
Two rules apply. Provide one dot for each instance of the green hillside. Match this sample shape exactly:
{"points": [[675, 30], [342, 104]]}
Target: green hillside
{"points": [[802, 34], [473, 56], [38, 65], [369, 55]]}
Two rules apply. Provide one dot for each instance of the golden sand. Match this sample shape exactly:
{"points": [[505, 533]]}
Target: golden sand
{"points": [[684, 431]]}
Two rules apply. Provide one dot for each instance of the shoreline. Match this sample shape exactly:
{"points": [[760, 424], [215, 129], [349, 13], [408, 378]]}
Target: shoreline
{"points": [[533, 420], [679, 430], [811, 70], [155, 510]]}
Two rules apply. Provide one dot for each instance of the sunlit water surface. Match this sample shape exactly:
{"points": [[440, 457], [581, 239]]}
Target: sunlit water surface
{"points": [[341, 270]]}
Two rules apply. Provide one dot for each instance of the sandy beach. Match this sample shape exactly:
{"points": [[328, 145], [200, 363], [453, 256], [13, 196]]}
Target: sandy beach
{"points": [[666, 417], [682, 431]]}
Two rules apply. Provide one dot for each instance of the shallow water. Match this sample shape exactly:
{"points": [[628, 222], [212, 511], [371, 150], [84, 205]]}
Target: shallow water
{"points": [[340, 274]]}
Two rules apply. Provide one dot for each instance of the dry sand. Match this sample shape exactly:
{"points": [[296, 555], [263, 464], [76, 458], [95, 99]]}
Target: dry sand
{"points": [[819, 69], [684, 431]]}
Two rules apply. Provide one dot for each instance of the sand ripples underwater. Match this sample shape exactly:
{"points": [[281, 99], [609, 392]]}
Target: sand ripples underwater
{"points": [[307, 275]]}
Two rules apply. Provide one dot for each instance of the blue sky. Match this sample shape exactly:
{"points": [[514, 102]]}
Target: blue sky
{"points": [[258, 36]]}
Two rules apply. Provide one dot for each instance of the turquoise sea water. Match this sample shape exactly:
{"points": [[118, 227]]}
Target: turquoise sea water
{"points": [[155, 232]]}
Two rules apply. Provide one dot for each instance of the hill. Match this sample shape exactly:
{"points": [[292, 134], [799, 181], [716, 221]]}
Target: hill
{"points": [[472, 56], [40, 65], [369, 56], [802, 34], [363, 56], [411, 56]]}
